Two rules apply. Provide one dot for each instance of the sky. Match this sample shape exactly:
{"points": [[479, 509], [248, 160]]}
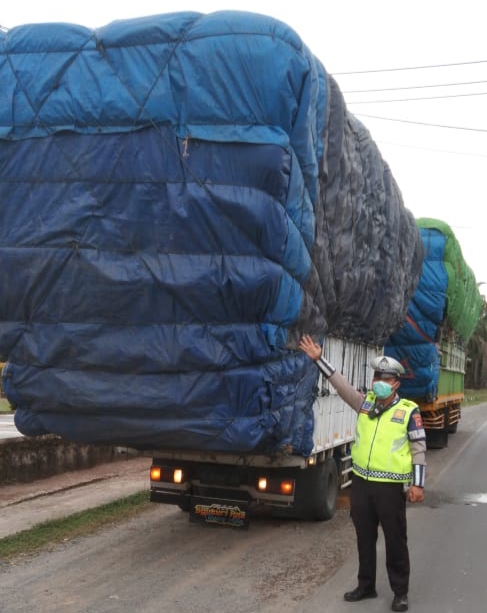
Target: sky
{"points": [[435, 50]]}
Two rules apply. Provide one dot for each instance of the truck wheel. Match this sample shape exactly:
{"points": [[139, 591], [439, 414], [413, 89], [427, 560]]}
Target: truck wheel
{"points": [[317, 491], [437, 439], [452, 428]]}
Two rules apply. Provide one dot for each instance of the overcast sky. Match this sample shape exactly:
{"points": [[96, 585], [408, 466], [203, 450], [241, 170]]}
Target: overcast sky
{"points": [[436, 148]]}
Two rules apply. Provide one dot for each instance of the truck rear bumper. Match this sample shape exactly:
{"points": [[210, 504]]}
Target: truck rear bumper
{"points": [[252, 486]]}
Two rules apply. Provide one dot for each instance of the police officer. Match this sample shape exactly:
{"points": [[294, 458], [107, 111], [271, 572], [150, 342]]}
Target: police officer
{"points": [[388, 456]]}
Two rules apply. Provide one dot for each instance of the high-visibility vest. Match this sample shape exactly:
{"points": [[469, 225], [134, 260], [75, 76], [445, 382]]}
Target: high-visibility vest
{"points": [[381, 449]]}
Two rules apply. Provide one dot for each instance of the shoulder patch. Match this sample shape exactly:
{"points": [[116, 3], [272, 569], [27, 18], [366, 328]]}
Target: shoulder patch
{"points": [[418, 420]]}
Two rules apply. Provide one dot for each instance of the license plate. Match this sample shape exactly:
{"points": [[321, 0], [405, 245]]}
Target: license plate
{"points": [[233, 513]]}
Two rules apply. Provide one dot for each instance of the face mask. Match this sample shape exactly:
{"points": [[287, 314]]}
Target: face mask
{"points": [[382, 389]]}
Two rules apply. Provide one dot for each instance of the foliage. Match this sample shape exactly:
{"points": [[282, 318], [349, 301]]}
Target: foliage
{"points": [[476, 354], [474, 397], [5, 406]]}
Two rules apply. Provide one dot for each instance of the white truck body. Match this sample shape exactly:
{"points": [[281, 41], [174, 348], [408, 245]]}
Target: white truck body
{"points": [[334, 420]]}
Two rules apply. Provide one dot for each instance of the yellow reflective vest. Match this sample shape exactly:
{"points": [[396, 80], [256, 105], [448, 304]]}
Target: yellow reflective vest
{"points": [[381, 450]]}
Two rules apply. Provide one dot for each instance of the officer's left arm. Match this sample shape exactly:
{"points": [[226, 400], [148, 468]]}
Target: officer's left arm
{"points": [[417, 442]]}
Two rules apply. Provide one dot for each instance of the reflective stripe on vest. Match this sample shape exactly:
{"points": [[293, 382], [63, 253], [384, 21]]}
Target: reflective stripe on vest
{"points": [[381, 449]]}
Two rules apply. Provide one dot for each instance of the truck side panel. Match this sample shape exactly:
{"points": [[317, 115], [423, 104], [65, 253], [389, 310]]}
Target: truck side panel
{"points": [[441, 415], [334, 420]]}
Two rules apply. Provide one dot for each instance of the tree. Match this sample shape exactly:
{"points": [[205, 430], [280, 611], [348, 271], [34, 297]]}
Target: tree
{"points": [[476, 354]]}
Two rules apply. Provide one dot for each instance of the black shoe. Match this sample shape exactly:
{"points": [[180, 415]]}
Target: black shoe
{"points": [[400, 603], [360, 593]]}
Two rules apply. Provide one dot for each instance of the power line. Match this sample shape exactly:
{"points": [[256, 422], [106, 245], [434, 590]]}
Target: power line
{"points": [[411, 68], [422, 98], [393, 89], [421, 123], [465, 153]]}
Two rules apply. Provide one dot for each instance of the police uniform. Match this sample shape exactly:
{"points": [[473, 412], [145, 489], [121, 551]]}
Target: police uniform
{"points": [[388, 454]]}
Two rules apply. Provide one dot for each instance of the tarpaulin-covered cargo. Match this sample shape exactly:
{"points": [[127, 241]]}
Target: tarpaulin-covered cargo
{"points": [[447, 303], [181, 196]]}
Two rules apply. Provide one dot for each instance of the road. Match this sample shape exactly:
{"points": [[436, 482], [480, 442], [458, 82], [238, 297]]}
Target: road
{"points": [[161, 563], [447, 534], [7, 427]]}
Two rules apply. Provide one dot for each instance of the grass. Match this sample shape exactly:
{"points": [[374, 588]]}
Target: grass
{"points": [[474, 397], [84, 523], [5, 406]]}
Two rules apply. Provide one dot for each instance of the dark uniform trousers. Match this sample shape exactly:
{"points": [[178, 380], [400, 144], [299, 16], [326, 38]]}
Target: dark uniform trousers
{"points": [[373, 503]]}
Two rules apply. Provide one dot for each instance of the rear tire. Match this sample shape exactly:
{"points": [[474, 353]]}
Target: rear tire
{"points": [[437, 439], [317, 491], [452, 428]]}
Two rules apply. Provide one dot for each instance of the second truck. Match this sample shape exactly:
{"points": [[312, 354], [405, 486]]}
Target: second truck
{"points": [[441, 317]]}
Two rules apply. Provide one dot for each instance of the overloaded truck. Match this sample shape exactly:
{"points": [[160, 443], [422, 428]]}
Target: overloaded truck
{"points": [[183, 196], [441, 317]]}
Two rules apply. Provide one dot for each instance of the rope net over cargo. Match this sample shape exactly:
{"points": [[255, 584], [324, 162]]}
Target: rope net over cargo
{"points": [[181, 197]]}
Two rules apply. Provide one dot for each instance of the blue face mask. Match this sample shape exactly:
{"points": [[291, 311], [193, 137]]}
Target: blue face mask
{"points": [[382, 389]]}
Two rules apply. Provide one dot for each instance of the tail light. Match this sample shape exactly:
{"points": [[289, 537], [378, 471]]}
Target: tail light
{"points": [[276, 486], [167, 474]]}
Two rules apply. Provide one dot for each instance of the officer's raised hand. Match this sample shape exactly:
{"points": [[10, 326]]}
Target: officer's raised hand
{"points": [[312, 349]]}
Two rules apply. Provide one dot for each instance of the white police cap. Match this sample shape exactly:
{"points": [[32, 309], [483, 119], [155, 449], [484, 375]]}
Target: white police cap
{"points": [[385, 364]]}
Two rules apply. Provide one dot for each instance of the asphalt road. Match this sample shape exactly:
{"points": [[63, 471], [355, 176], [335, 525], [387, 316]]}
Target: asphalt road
{"points": [[162, 563], [7, 426], [447, 535]]}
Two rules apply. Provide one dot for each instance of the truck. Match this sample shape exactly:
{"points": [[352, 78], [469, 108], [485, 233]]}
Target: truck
{"points": [[441, 317], [225, 488], [442, 413], [446, 304], [183, 196]]}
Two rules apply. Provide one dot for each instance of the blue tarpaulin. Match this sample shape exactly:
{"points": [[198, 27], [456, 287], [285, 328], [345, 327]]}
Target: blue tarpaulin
{"points": [[446, 304], [181, 196]]}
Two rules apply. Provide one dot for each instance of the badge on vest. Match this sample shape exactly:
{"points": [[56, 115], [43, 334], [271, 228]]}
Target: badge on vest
{"points": [[366, 407], [398, 416]]}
